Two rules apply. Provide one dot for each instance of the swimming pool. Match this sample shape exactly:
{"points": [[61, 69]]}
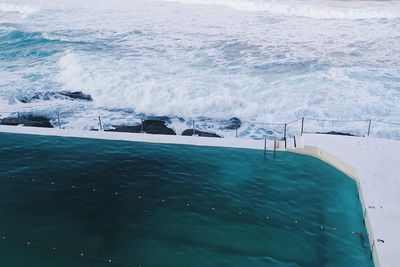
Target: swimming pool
{"points": [[82, 202]]}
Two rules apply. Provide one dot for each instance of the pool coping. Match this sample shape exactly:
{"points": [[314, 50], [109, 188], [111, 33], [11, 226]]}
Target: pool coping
{"points": [[361, 158], [143, 137], [349, 171]]}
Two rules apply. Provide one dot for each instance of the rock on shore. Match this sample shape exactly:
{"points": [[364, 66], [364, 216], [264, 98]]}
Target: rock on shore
{"points": [[27, 120], [148, 126], [189, 132], [56, 95], [336, 133], [233, 123]]}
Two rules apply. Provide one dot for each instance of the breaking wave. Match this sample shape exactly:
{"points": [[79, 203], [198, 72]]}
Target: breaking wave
{"points": [[313, 9], [208, 61], [23, 10]]}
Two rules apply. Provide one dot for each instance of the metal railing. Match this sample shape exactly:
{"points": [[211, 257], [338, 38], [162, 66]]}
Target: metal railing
{"points": [[223, 128]]}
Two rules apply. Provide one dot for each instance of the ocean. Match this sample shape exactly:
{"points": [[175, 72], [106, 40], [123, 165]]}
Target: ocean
{"points": [[257, 60]]}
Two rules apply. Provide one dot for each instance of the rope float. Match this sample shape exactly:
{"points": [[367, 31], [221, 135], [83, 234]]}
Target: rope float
{"points": [[77, 255], [140, 197], [92, 188]]}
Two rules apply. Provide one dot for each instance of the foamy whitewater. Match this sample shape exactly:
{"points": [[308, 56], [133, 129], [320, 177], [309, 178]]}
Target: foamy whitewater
{"points": [[258, 60]]}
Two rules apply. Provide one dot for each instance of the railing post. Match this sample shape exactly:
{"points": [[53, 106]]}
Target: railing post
{"points": [[265, 147], [194, 128], [274, 148], [141, 126], [369, 127], [302, 126], [100, 125], [58, 119], [236, 132], [284, 134]]}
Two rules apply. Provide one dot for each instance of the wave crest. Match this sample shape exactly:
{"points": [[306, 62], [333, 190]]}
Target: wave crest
{"points": [[23, 10], [312, 9]]}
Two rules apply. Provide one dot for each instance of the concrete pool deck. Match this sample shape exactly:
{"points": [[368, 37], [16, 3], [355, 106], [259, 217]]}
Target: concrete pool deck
{"points": [[373, 163]]}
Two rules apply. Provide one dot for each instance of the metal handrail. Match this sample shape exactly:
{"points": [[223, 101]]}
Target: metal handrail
{"points": [[385, 122], [194, 124], [315, 119], [261, 123]]}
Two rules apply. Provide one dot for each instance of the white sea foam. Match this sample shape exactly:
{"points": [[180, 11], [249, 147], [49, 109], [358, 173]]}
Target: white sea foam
{"points": [[23, 10], [313, 9], [165, 88], [186, 60]]}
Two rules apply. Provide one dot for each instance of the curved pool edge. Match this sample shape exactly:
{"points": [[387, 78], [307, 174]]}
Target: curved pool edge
{"points": [[351, 172], [327, 158], [374, 164]]}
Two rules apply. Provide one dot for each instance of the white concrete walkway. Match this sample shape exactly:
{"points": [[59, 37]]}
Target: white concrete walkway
{"points": [[373, 163]]}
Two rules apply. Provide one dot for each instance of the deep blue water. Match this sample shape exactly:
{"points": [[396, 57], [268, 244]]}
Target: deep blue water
{"points": [[140, 204]]}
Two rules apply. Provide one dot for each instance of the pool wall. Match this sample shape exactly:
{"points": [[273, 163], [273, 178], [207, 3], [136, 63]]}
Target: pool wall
{"points": [[349, 171], [328, 158], [371, 162]]}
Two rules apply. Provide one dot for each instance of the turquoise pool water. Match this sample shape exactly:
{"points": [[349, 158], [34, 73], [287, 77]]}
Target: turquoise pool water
{"points": [[80, 202]]}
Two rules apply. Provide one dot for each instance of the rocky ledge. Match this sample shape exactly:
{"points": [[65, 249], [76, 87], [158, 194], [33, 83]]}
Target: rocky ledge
{"points": [[233, 124], [157, 127], [56, 95], [27, 120], [336, 133], [150, 126], [190, 132], [147, 126]]}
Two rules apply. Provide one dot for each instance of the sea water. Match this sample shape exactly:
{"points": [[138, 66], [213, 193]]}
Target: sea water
{"points": [[258, 60], [80, 202]]}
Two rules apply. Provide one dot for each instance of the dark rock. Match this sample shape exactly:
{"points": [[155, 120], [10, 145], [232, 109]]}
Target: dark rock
{"points": [[189, 132], [10, 121], [156, 127], [56, 95], [28, 120], [126, 129], [77, 95], [38, 121], [233, 123], [149, 126], [336, 133]]}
